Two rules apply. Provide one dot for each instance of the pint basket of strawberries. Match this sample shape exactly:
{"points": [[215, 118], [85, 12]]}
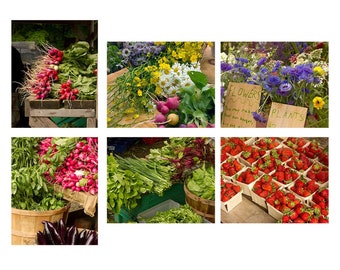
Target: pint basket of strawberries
{"points": [[263, 188], [231, 195]]}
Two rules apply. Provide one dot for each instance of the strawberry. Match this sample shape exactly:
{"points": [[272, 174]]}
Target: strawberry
{"points": [[305, 216], [322, 176], [237, 165], [323, 219], [249, 178], [314, 220], [279, 176], [293, 215], [299, 208], [285, 219], [236, 188], [299, 220], [324, 193], [264, 194], [267, 187]]}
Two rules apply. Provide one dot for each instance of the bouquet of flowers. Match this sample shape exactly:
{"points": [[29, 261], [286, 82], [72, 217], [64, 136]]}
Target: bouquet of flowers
{"points": [[293, 73], [155, 71]]}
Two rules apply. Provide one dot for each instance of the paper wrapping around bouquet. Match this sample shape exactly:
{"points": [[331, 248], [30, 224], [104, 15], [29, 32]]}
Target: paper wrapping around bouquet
{"points": [[85, 199], [241, 100], [286, 116], [143, 121]]}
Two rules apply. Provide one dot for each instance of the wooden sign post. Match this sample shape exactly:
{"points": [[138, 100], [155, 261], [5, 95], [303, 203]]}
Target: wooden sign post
{"points": [[286, 116], [240, 101]]}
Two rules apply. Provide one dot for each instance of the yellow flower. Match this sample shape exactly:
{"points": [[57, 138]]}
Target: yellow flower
{"points": [[319, 70], [318, 103], [139, 92], [136, 116], [158, 90], [193, 58]]}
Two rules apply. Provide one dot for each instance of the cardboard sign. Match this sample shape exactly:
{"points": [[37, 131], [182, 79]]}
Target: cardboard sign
{"points": [[241, 100], [286, 116]]}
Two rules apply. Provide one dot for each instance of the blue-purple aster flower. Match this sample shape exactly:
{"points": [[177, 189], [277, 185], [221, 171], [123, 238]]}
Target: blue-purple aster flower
{"points": [[273, 80], [284, 89], [225, 66], [258, 117], [245, 71], [261, 61], [276, 66], [242, 60]]}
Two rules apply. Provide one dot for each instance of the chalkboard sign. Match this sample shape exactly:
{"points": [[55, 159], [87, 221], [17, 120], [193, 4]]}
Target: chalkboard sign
{"points": [[241, 100]]}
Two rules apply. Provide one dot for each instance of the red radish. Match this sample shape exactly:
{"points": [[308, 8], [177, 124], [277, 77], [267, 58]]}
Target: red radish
{"points": [[159, 105], [164, 110], [191, 125], [79, 171], [173, 102], [160, 118]]}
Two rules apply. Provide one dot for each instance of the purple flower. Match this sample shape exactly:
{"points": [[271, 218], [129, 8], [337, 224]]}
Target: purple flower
{"points": [[225, 66], [267, 87], [258, 117], [285, 87], [285, 71], [261, 61], [245, 71], [273, 80], [277, 66], [222, 91], [242, 60]]}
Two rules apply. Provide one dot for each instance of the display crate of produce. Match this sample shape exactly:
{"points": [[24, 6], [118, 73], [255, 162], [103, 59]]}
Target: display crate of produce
{"points": [[304, 189], [263, 188], [232, 203], [274, 212], [267, 143], [231, 195], [319, 173], [295, 143], [175, 193], [161, 207], [230, 167], [285, 176], [85, 199], [42, 112], [250, 154], [247, 178]]}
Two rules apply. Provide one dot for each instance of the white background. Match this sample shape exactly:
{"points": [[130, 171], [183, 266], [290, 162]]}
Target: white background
{"points": [[202, 246]]}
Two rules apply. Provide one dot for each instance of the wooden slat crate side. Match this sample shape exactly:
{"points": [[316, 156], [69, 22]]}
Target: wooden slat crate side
{"points": [[63, 113]]}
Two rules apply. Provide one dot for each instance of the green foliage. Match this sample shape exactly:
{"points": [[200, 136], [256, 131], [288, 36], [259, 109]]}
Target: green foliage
{"points": [[197, 101], [30, 190]]}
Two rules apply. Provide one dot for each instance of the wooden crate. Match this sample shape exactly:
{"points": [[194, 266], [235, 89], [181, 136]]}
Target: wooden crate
{"points": [[40, 112]]}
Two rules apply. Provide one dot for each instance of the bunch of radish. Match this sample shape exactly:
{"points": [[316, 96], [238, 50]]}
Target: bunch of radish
{"points": [[79, 170], [66, 92], [167, 112], [55, 56], [43, 74], [41, 87]]}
